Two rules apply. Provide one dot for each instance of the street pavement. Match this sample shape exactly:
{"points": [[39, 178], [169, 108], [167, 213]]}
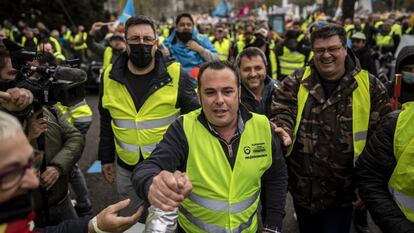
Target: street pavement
{"points": [[103, 194]]}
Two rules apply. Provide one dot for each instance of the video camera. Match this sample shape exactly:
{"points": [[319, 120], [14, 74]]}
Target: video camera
{"points": [[53, 84]]}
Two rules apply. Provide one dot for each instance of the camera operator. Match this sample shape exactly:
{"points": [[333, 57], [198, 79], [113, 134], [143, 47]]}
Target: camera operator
{"points": [[13, 100], [63, 147], [18, 165], [80, 116]]}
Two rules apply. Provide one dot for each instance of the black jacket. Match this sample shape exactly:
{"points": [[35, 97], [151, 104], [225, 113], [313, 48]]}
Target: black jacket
{"points": [[373, 169], [262, 106], [367, 61], [172, 152], [186, 100]]}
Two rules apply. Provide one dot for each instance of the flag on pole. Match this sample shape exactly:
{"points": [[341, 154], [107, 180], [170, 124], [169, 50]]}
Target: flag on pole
{"points": [[223, 9], [128, 11]]}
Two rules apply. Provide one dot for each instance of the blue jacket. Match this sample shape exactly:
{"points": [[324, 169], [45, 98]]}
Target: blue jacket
{"points": [[188, 58]]}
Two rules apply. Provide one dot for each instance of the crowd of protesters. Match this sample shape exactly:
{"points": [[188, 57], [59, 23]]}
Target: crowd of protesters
{"points": [[324, 86]]}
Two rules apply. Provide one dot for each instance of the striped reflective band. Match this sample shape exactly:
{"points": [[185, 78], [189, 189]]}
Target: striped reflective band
{"points": [[288, 68], [150, 124], [148, 148], [208, 227], [361, 135], [223, 206], [135, 148], [83, 102], [82, 119], [291, 61], [403, 199], [128, 147]]}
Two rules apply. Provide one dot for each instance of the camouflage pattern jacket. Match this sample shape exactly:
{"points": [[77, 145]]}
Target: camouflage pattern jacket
{"points": [[320, 168]]}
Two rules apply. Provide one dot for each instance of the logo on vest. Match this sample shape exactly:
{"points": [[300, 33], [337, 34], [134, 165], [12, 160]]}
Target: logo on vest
{"points": [[256, 150], [247, 150]]}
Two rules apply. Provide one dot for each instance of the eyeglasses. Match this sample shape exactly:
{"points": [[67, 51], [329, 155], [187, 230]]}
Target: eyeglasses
{"points": [[330, 50], [148, 40], [13, 177], [185, 24]]}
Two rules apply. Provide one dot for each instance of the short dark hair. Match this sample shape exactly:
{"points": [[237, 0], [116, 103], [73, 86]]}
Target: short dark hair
{"points": [[4, 53], [186, 15], [139, 19], [249, 53], [216, 65], [327, 31]]}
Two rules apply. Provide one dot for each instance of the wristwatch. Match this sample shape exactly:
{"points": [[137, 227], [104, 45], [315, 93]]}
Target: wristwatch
{"points": [[95, 226]]}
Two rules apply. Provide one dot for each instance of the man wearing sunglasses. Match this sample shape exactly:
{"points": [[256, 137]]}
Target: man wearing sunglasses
{"points": [[19, 167], [328, 108], [141, 95]]}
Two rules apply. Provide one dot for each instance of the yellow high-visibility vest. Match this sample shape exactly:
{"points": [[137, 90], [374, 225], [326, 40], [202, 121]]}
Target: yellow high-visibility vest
{"points": [[224, 199], [139, 132], [401, 183], [361, 110]]}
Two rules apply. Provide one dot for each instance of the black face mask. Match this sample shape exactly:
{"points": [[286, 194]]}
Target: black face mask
{"points": [[184, 36], [16, 208], [140, 55]]}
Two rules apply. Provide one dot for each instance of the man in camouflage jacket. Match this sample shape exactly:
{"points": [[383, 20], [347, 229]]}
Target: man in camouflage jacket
{"points": [[321, 164]]}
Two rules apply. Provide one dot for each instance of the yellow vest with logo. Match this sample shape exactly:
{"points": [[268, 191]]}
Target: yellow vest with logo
{"points": [[401, 183], [361, 110], [223, 48], [291, 61], [139, 132], [224, 199]]}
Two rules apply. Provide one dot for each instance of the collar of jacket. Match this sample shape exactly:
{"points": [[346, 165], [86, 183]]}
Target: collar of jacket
{"points": [[268, 82], [244, 116], [121, 64], [347, 82]]}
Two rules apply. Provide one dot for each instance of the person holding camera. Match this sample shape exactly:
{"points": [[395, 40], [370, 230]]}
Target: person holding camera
{"points": [[19, 163], [12, 99], [63, 145]]}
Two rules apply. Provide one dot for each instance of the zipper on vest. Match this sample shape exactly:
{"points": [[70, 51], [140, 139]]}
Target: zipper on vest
{"points": [[230, 148]]}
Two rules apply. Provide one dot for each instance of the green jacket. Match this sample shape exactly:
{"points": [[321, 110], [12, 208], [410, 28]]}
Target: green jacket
{"points": [[64, 145]]}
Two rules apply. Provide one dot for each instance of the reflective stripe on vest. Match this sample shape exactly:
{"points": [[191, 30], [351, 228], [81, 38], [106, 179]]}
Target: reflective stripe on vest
{"points": [[361, 105], [139, 132], [127, 124], [224, 199], [291, 61], [401, 183], [223, 206], [213, 228]]}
